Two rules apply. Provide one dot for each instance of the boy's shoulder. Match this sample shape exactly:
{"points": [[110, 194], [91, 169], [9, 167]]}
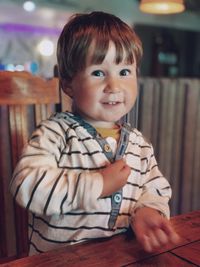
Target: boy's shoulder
{"points": [[69, 121], [137, 137], [66, 116], [66, 119], [59, 121]]}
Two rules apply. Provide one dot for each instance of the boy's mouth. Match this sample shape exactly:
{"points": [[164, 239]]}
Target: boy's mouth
{"points": [[112, 103]]}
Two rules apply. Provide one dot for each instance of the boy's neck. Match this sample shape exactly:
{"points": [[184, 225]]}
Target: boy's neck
{"points": [[98, 124], [102, 124]]}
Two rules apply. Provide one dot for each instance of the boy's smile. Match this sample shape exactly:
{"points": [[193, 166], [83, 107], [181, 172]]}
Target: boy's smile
{"points": [[104, 93]]}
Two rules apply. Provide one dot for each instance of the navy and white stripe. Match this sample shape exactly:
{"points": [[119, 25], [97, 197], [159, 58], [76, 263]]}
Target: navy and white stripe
{"points": [[57, 179]]}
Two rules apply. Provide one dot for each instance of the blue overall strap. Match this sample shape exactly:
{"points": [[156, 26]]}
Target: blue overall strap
{"points": [[91, 130], [116, 198]]}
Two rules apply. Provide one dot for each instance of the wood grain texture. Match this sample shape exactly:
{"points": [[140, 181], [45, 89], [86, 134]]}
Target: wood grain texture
{"points": [[121, 250], [190, 252], [187, 226], [177, 143], [21, 88], [189, 143], [25, 100], [196, 154], [169, 118], [163, 260]]}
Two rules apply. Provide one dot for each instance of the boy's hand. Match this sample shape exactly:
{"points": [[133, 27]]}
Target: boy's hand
{"points": [[152, 230], [115, 176]]}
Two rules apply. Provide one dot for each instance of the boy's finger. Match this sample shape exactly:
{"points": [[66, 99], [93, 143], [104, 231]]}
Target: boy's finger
{"points": [[154, 239], [119, 164], [161, 236], [172, 235], [146, 244], [126, 170]]}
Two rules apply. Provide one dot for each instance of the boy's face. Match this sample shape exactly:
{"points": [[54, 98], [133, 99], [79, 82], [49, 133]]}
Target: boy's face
{"points": [[103, 93]]}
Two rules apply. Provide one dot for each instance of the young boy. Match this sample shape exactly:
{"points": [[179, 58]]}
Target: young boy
{"points": [[82, 174]]}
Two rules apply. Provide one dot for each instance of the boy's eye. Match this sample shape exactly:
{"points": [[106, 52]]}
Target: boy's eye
{"points": [[98, 73], [125, 72]]}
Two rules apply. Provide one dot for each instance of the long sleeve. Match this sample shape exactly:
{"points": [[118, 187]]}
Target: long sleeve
{"points": [[58, 180], [156, 190], [42, 185]]}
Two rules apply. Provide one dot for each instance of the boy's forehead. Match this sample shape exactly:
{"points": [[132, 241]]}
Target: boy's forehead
{"points": [[94, 51]]}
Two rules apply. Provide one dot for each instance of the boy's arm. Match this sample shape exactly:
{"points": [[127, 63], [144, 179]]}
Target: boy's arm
{"points": [[42, 186], [156, 189], [152, 229]]}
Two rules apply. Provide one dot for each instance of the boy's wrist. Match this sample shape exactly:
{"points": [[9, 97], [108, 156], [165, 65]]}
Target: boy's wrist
{"points": [[143, 206]]}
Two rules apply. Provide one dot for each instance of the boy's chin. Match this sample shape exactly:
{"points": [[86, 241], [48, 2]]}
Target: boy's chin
{"points": [[114, 119]]}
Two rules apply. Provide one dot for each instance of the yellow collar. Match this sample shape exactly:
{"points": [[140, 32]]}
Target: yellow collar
{"points": [[109, 132]]}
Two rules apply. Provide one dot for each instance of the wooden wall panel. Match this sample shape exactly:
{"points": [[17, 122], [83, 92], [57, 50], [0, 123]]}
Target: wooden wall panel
{"points": [[169, 117], [189, 143]]}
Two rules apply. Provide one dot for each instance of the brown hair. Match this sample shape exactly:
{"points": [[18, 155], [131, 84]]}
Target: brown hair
{"points": [[99, 28]]}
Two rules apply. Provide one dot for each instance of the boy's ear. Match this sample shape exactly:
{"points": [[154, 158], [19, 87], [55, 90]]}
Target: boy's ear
{"points": [[66, 87]]}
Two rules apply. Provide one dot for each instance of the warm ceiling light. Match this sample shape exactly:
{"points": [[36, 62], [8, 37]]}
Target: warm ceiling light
{"points": [[162, 6]]}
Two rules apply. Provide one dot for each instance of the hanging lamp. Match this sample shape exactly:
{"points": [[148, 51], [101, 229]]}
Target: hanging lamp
{"points": [[162, 6]]}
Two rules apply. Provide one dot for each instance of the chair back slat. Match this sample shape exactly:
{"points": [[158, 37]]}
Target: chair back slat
{"points": [[21, 88], [25, 100]]}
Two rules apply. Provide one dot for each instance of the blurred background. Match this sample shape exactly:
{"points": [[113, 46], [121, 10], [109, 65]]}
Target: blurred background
{"points": [[167, 110], [29, 32]]}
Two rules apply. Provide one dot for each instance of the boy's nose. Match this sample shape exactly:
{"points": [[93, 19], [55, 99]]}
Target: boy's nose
{"points": [[112, 86]]}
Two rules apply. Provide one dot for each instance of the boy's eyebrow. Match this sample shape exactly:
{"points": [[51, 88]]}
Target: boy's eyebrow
{"points": [[128, 63], [122, 64]]}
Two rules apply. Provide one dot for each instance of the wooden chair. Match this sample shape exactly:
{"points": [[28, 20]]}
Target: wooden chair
{"points": [[24, 101]]}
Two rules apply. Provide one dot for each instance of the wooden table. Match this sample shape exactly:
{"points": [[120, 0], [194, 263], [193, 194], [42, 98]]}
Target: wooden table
{"points": [[123, 250]]}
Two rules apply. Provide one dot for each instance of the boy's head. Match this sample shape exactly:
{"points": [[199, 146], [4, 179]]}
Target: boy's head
{"points": [[98, 56], [96, 28]]}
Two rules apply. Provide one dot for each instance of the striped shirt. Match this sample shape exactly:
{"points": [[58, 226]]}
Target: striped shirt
{"points": [[57, 179]]}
